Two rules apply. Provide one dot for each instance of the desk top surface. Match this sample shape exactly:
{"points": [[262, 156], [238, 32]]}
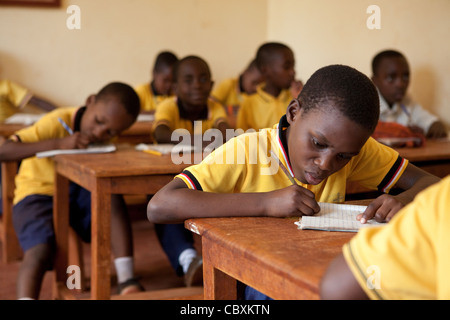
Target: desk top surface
{"points": [[432, 150], [126, 161], [275, 244]]}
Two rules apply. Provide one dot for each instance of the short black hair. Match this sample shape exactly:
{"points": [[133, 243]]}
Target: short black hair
{"points": [[267, 51], [350, 91], [126, 95], [163, 60], [376, 61], [187, 58]]}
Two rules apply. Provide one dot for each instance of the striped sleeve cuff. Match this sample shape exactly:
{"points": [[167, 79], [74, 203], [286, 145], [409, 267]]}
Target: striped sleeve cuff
{"points": [[190, 180], [393, 175]]}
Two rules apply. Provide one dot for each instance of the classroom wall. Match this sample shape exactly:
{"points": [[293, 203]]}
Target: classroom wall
{"points": [[119, 39], [324, 32]]}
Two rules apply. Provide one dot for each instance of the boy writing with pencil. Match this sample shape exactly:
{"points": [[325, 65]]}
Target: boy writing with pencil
{"points": [[114, 109], [323, 141]]}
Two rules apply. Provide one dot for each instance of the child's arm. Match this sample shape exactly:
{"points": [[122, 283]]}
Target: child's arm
{"points": [[175, 203], [413, 181], [339, 283], [163, 134], [14, 151], [436, 130]]}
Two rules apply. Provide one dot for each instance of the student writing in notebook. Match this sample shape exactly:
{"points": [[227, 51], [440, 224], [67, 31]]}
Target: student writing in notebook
{"points": [[323, 140], [193, 112], [262, 109], [160, 86], [406, 259], [391, 75], [114, 109]]}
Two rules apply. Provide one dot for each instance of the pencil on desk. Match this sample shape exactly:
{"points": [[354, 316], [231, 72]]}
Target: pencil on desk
{"points": [[283, 167], [156, 153]]}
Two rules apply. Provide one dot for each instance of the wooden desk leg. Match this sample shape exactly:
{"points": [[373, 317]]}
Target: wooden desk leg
{"points": [[10, 245], [101, 241], [61, 227], [217, 285]]}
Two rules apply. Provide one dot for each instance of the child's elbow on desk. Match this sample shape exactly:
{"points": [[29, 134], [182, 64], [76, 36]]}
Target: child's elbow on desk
{"points": [[158, 212]]}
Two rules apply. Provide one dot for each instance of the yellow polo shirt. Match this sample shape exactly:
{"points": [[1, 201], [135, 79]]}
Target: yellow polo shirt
{"points": [[245, 164], [228, 92], [36, 176], [149, 101], [13, 98], [409, 258], [261, 110], [168, 113]]}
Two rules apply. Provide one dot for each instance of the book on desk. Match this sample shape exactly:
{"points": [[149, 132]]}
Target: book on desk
{"points": [[336, 217]]}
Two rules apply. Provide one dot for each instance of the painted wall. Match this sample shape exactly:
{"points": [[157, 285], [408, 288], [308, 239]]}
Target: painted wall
{"points": [[119, 40]]}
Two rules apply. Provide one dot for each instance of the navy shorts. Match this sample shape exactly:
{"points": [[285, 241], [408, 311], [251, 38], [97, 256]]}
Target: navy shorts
{"points": [[33, 217]]}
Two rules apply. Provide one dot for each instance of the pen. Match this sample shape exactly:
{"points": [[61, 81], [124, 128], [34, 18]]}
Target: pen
{"points": [[68, 129], [283, 167], [156, 153]]}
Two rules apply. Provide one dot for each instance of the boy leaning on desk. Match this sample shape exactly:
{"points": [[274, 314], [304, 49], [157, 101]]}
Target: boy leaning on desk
{"points": [[323, 140], [114, 109]]}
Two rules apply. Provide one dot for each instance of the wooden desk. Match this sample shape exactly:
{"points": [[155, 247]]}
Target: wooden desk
{"points": [[125, 171], [139, 132], [7, 129], [434, 158], [268, 254]]}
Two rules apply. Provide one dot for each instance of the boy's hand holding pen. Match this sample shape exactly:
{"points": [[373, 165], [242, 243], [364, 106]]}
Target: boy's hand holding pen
{"points": [[294, 200], [75, 140]]}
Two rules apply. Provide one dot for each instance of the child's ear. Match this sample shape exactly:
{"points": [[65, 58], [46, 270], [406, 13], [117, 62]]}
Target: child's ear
{"points": [[90, 100], [293, 110]]}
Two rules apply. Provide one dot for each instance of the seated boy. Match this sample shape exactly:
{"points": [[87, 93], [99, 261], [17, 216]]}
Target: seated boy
{"points": [[191, 110], [231, 92], [324, 140], [114, 109], [265, 107], [406, 259], [14, 98], [160, 86], [391, 74]]}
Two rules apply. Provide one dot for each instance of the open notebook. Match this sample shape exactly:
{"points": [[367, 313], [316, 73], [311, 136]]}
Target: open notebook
{"points": [[166, 148], [335, 217], [94, 148], [23, 118]]}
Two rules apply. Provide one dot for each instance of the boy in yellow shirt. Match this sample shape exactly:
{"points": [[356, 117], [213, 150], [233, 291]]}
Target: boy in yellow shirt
{"points": [[193, 112], [192, 105], [265, 107], [407, 259], [323, 141], [160, 87], [231, 92], [114, 109]]}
